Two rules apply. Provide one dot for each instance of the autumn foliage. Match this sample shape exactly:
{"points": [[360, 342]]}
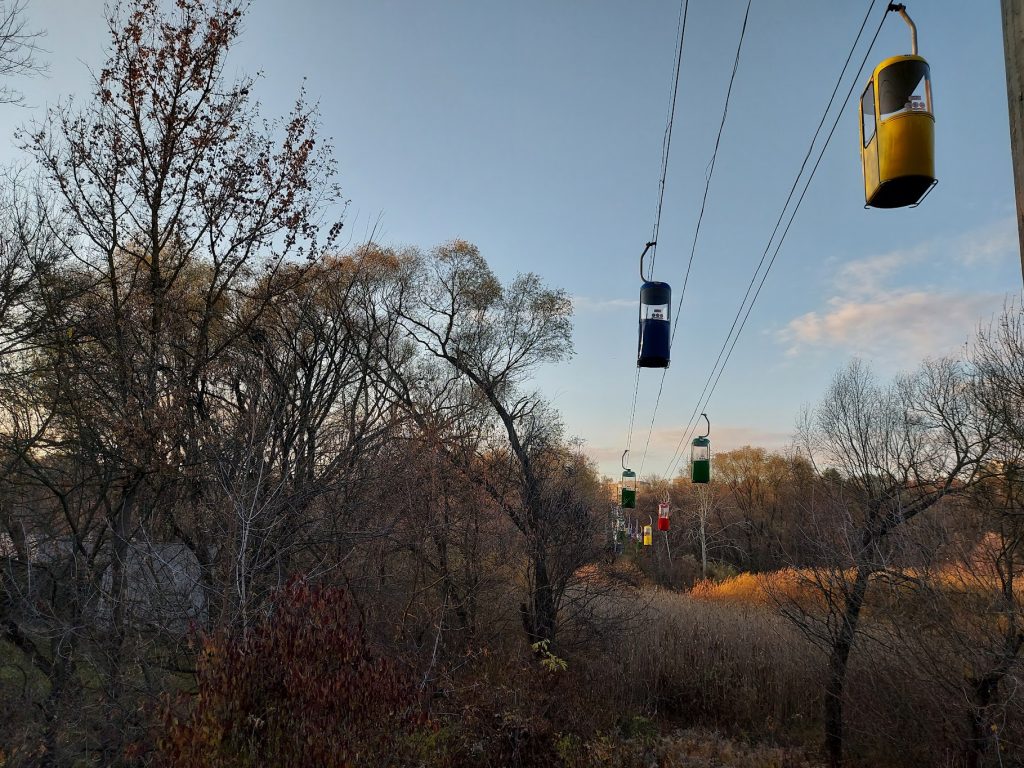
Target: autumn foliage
{"points": [[300, 687]]}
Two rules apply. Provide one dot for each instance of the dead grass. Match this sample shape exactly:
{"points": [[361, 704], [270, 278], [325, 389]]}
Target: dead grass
{"points": [[754, 588], [723, 664], [797, 585], [722, 659], [696, 748], [683, 748]]}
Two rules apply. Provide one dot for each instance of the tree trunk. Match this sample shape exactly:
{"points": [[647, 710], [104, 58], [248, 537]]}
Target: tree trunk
{"points": [[703, 510], [52, 723], [540, 618], [703, 549], [121, 527], [838, 662], [977, 746]]}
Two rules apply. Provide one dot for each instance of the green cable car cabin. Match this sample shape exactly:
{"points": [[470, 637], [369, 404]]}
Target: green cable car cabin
{"points": [[628, 489], [700, 460], [700, 456], [897, 129]]}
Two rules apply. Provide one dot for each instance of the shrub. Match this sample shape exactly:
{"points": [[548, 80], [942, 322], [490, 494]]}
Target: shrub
{"points": [[681, 572], [300, 687]]}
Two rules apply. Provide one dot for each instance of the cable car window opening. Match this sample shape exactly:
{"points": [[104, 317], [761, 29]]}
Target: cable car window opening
{"points": [[868, 113], [904, 86]]}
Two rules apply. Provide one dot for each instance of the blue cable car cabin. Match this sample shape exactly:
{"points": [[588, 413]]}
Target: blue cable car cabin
{"points": [[655, 325]]}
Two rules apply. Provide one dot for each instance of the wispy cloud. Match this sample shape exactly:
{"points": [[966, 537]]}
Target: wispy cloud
{"points": [[873, 312], [867, 276], [905, 325], [587, 304], [989, 246]]}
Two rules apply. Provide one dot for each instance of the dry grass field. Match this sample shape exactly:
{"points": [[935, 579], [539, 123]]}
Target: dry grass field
{"points": [[723, 660]]}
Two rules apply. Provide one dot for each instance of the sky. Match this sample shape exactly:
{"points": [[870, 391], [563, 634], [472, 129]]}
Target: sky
{"points": [[534, 130]]}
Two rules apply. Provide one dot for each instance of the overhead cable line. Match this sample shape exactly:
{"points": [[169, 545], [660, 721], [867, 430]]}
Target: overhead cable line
{"points": [[666, 145], [711, 170], [632, 414], [700, 218], [716, 371], [666, 141], [650, 430]]}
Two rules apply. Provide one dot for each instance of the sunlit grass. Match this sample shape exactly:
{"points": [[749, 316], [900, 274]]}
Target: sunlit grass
{"points": [[755, 588]]}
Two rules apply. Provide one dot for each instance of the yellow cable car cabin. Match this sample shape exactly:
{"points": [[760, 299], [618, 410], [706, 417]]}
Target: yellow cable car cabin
{"points": [[897, 130]]}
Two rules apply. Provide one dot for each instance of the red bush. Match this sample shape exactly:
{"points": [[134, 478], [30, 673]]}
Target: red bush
{"points": [[300, 688]]}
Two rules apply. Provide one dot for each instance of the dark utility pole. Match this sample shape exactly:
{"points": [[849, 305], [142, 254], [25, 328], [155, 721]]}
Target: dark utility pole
{"points": [[1013, 48]]}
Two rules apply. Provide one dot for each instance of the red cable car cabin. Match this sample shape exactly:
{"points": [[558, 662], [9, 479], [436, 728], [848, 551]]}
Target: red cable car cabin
{"points": [[663, 516]]}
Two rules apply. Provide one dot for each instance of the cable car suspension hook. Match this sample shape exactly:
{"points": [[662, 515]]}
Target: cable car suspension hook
{"points": [[646, 249], [624, 453], [709, 425], [901, 9]]}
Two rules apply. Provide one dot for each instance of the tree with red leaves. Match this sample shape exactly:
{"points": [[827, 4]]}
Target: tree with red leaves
{"points": [[300, 688]]}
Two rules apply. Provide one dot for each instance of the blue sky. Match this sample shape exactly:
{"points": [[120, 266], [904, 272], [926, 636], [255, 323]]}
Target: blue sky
{"points": [[533, 129]]}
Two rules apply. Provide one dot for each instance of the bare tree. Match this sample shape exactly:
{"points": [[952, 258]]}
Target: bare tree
{"points": [[757, 481], [19, 49], [302, 413], [998, 354], [893, 453], [494, 336], [957, 621]]}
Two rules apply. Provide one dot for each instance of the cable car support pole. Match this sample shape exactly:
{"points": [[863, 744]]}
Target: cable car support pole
{"points": [[1013, 51]]}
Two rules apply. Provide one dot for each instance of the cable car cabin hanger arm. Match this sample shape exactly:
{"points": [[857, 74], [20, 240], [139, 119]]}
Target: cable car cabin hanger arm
{"points": [[647, 247], [897, 129], [901, 9]]}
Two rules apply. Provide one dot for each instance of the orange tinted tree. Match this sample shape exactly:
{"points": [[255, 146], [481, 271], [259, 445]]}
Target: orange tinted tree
{"points": [[493, 337]]}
